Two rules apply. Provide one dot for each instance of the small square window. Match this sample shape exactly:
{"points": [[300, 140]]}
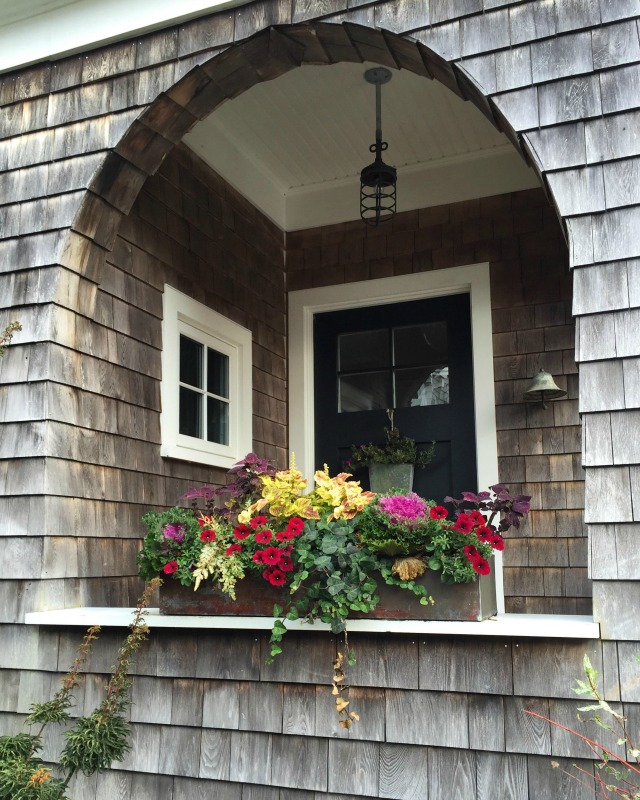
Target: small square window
{"points": [[206, 384]]}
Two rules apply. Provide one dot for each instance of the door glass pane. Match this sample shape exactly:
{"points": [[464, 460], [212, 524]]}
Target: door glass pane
{"points": [[190, 362], [420, 345], [217, 373], [190, 413], [362, 351], [421, 386], [366, 391], [217, 421]]}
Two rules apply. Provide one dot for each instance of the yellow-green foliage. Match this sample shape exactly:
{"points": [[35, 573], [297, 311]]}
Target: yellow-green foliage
{"points": [[225, 570]]}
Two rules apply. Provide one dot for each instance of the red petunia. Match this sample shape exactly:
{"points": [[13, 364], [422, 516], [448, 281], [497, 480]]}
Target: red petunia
{"points": [[478, 518], [471, 552], [277, 578], [258, 522], [208, 536], [295, 526], [201, 522], [264, 536], [170, 567], [464, 524], [438, 512], [257, 557], [286, 551], [481, 566], [484, 533], [496, 541], [270, 555], [233, 548], [285, 564], [284, 536], [241, 531]]}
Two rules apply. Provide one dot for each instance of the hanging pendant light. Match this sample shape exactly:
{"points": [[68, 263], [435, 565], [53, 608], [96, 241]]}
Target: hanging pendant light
{"points": [[378, 180]]}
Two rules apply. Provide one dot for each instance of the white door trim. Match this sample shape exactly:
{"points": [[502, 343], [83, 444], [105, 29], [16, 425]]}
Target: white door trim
{"points": [[303, 304]]}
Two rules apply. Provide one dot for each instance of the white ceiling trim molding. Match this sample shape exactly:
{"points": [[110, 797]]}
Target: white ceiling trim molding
{"points": [[259, 185], [37, 30], [294, 146], [449, 180]]}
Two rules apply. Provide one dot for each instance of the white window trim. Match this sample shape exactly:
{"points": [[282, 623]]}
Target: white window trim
{"points": [[304, 303], [183, 314]]}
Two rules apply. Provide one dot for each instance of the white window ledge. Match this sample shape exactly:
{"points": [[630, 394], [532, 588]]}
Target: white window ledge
{"points": [[519, 626]]}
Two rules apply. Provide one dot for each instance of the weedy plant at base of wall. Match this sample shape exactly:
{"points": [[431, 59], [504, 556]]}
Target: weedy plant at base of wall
{"points": [[7, 335], [616, 777], [93, 742]]}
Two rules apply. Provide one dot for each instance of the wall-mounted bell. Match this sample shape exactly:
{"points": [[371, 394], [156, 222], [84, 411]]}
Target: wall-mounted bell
{"points": [[542, 389]]}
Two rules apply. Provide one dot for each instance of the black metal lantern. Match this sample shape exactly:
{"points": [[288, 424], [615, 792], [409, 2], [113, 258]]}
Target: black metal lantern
{"points": [[378, 180]]}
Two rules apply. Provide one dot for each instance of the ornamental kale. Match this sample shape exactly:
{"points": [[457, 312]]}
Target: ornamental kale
{"points": [[420, 536]]}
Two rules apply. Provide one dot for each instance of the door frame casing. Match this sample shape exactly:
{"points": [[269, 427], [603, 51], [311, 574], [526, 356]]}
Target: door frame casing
{"points": [[305, 303]]}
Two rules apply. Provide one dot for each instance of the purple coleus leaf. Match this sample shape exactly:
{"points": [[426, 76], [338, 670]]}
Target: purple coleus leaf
{"points": [[522, 504], [206, 492]]}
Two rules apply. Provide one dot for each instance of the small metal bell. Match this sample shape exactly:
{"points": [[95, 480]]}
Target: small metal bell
{"points": [[542, 389]]}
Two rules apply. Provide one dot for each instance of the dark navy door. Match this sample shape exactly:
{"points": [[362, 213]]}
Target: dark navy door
{"points": [[413, 357]]}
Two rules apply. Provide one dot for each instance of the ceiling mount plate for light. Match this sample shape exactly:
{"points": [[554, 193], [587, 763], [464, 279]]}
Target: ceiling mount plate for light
{"points": [[377, 75]]}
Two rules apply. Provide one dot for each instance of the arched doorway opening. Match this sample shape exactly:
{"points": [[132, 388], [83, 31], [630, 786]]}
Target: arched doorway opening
{"points": [[232, 255]]}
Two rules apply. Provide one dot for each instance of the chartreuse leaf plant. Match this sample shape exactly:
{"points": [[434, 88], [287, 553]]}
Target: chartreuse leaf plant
{"points": [[93, 742]]}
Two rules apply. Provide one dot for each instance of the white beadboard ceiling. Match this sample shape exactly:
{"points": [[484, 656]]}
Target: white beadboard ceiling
{"points": [[295, 145]]}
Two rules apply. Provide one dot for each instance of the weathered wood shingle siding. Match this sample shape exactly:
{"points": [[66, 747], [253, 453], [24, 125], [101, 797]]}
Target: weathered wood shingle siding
{"points": [[242, 722], [80, 393]]}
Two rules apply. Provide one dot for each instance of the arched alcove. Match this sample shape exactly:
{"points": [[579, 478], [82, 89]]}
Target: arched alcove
{"points": [[263, 57]]}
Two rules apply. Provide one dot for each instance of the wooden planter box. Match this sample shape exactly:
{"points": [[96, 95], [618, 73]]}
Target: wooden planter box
{"points": [[460, 602], [256, 598]]}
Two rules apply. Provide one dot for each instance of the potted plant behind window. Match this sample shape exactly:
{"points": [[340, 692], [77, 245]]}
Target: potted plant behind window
{"points": [[391, 464]]}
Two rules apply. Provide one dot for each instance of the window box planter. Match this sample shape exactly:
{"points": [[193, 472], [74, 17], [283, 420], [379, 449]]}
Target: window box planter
{"points": [[256, 598]]}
